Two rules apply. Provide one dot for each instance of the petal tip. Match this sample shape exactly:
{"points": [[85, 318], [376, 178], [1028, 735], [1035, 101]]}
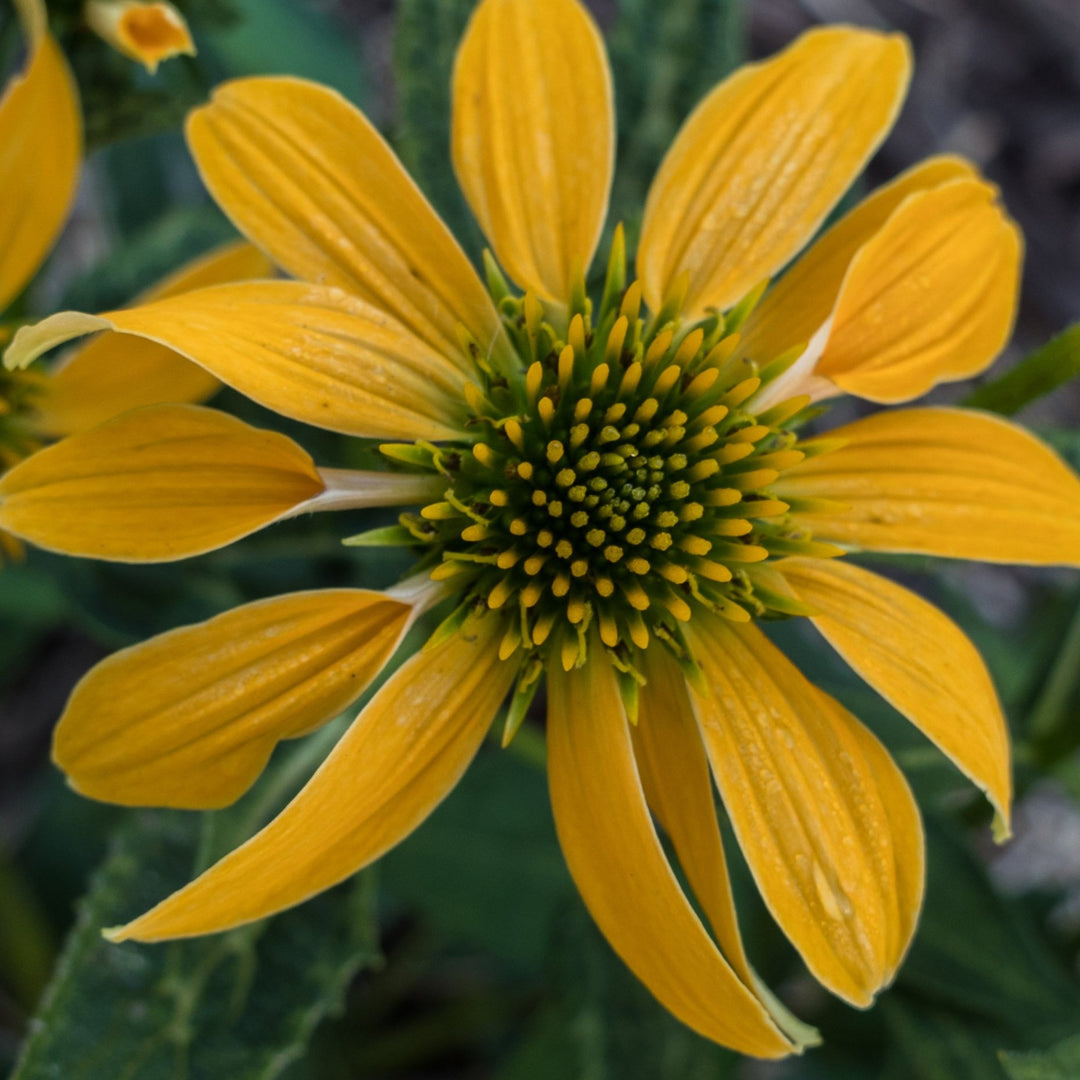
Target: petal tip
{"points": [[1002, 827]]}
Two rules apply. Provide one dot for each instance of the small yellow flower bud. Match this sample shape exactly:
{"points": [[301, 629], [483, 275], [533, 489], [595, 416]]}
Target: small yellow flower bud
{"points": [[146, 32]]}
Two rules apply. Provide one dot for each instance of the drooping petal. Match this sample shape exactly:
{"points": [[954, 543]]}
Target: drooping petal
{"points": [[40, 150], [795, 308], [919, 660], [189, 718], [675, 777], [942, 481], [305, 176], [159, 483], [310, 352], [401, 757], [824, 817], [145, 32], [117, 372], [931, 298], [534, 136], [763, 159], [616, 860], [678, 789]]}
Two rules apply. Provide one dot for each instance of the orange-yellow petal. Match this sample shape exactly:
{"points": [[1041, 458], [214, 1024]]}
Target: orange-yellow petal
{"points": [[159, 483], [306, 177], [931, 298], [675, 777], [616, 860], [826, 820], [117, 372], [795, 308], [189, 718], [40, 150], [763, 159], [678, 789], [919, 660], [401, 757], [534, 136], [310, 352], [942, 481], [145, 32]]}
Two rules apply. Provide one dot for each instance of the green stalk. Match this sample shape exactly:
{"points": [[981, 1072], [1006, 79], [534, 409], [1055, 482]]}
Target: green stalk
{"points": [[1048, 722]]}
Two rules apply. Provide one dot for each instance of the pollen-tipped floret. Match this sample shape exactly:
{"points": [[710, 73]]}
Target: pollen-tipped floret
{"points": [[619, 480]]}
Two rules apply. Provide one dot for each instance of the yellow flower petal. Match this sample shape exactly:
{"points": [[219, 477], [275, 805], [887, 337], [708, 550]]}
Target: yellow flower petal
{"points": [[931, 298], [794, 309], [918, 659], [940, 481], [675, 777], [534, 136], [616, 860], [763, 159], [190, 717], [304, 175], [310, 352], [117, 372], [145, 32], [158, 483], [401, 757], [40, 150], [824, 817], [678, 788]]}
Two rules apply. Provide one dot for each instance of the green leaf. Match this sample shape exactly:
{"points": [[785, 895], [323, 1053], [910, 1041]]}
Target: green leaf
{"points": [[1036, 375], [492, 851], [150, 251], [665, 57], [425, 42], [930, 1045], [241, 1005], [1061, 1062], [599, 1023], [983, 956], [281, 37]]}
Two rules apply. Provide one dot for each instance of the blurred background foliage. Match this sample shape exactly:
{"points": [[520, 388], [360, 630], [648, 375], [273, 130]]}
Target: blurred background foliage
{"points": [[465, 953]]}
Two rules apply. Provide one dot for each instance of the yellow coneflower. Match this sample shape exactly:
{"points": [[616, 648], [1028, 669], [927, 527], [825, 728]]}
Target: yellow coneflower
{"points": [[614, 493]]}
